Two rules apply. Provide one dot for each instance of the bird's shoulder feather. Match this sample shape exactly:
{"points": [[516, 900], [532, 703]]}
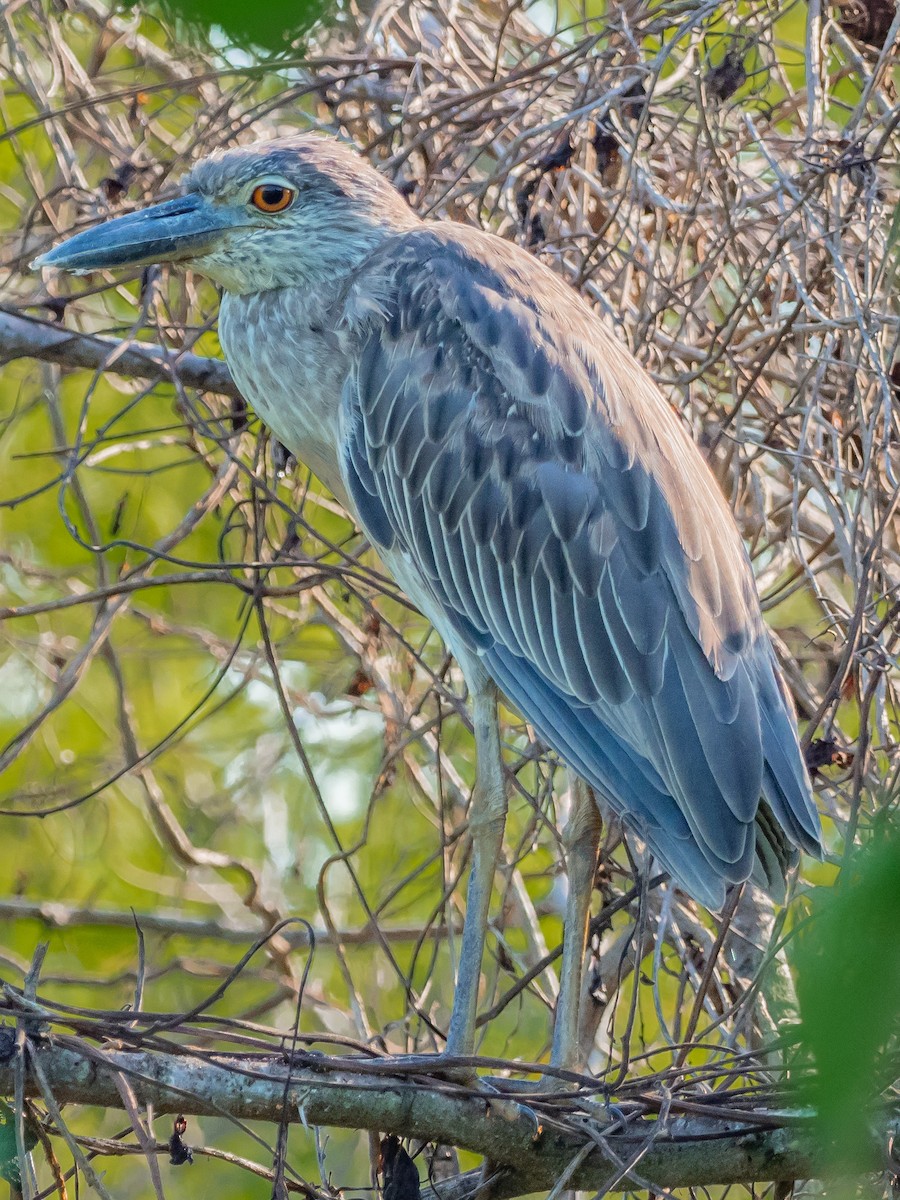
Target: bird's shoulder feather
{"points": [[525, 400]]}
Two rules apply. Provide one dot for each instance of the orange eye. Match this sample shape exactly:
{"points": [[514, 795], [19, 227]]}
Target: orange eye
{"points": [[272, 197]]}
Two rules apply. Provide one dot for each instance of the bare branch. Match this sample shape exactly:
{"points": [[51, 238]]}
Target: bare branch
{"points": [[63, 916], [27, 337]]}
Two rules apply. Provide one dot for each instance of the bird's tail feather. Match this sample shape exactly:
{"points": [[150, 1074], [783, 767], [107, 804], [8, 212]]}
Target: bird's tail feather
{"points": [[776, 859]]}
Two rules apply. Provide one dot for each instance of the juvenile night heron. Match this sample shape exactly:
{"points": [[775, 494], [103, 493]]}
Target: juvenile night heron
{"points": [[533, 493]]}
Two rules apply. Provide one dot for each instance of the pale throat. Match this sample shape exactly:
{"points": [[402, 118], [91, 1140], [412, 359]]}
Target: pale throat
{"points": [[290, 364]]}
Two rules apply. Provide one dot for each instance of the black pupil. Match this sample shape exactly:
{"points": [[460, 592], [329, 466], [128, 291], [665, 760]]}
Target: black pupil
{"points": [[272, 195]]}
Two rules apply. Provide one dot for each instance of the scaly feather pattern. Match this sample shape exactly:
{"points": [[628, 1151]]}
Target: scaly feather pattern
{"points": [[502, 448]]}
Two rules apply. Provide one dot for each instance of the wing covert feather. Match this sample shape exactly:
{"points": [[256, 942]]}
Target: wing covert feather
{"points": [[566, 530]]}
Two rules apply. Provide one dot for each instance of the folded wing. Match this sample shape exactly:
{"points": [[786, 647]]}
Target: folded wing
{"points": [[567, 531]]}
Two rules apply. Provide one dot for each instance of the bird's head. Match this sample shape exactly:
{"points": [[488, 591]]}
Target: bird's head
{"points": [[296, 211]]}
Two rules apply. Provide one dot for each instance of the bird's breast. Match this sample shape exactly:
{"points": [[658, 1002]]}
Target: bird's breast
{"points": [[290, 364]]}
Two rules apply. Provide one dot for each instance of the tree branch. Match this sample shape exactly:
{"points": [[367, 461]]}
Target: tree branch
{"points": [[27, 337], [55, 915], [529, 1151]]}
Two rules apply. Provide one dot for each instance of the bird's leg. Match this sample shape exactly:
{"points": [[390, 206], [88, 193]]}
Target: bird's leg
{"points": [[581, 840], [486, 823]]}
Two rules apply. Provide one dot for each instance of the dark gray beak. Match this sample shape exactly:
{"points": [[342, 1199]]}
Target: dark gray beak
{"points": [[170, 232]]}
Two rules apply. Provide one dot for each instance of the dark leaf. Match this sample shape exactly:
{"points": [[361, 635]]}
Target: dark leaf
{"points": [[556, 158], [444, 1164], [238, 415], [406, 188], [867, 20], [360, 684], [56, 306], [116, 185], [609, 158], [9, 1160], [825, 752], [634, 100], [401, 1179], [524, 196], [272, 26], [730, 75], [282, 459], [179, 1153]]}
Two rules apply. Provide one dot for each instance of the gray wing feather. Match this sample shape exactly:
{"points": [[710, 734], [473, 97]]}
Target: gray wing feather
{"points": [[567, 531], [596, 648]]}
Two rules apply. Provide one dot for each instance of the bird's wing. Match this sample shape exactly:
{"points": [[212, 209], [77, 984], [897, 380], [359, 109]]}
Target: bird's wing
{"points": [[569, 533]]}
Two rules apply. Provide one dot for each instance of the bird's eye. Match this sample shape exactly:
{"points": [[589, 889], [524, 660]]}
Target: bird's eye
{"points": [[272, 197]]}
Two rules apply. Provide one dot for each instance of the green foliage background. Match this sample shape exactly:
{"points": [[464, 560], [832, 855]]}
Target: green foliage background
{"points": [[222, 822]]}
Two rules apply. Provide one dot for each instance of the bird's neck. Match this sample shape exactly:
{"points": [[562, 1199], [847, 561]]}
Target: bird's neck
{"points": [[289, 361]]}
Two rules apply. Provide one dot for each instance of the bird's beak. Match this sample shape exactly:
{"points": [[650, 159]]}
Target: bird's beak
{"points": [[171, 232]]}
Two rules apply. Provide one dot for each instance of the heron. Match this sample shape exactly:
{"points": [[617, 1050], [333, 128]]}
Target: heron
{"points": [[533, 493]]}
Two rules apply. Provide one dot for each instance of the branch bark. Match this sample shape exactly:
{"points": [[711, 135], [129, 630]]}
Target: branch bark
{"points": [[27, 337], [525, 1155]]}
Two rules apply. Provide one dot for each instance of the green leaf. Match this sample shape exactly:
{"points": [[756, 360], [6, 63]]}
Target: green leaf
{"points": [[9, 1158], [270, 26], [848, 984]]}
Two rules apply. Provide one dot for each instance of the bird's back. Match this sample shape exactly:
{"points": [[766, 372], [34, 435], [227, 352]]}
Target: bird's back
{"points": [[500, 443]]}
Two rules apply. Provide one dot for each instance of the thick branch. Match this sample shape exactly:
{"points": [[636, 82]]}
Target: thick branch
{"points": [[26, 337], [677, 1153]]}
